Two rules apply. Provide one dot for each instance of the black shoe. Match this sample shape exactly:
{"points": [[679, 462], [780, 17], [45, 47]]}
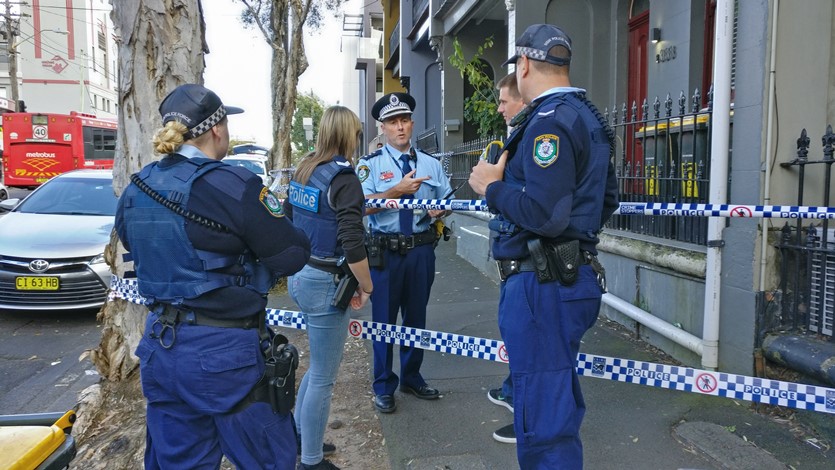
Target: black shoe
{"points": [[505, 434], [327, 449], [424, 392], [496, 396], [324, 464], [385, 403]]}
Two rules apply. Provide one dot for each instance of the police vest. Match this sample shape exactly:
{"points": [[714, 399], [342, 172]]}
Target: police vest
{"points": [[312, 211], [168, 267], [591, 170]]}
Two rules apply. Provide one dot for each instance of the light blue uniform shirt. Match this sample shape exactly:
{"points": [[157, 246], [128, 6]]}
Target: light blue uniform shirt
{"points": [[381, 171]]}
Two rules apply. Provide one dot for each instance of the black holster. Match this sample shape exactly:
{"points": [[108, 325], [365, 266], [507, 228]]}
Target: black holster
{"points": [[346, 285], [556, 261], [280, 375]]}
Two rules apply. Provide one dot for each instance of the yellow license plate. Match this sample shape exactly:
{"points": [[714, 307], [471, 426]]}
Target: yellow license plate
{"points": [[36, 283]]}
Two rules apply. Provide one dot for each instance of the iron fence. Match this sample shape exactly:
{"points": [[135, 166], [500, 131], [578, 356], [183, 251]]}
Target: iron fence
{"points": [[806, 296], [459, 162], [663, 159]]}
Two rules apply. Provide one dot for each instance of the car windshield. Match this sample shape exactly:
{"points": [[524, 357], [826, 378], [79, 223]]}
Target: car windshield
{"points": [[250, 165], [72, 196]]}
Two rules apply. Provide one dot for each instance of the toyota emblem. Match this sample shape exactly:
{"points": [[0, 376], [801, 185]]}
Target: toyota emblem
{"points": [[39, 266]]}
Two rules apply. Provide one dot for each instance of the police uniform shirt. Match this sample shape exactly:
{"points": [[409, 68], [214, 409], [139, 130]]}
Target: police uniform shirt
{"points": [[540, 179], [382, 170], [236, 198]]}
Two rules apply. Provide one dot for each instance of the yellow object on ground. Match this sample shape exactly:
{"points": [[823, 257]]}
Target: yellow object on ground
{"points": [[25, 447]]}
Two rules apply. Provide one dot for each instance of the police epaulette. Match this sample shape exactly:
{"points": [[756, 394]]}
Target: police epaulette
{"points": [[378, 152]]}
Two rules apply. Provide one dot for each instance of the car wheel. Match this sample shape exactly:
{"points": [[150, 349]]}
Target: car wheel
{"points": [[3, 194]]}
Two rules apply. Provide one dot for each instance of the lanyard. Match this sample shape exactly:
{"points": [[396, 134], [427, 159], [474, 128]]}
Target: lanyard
{"points": [[398, 163]]}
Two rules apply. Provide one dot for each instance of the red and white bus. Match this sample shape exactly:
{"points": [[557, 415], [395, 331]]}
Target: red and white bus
{"points": [[38, 146]]}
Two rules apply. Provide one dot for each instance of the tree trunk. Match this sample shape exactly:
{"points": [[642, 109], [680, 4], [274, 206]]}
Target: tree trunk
{"points": [[161, 46], [287, 64]]}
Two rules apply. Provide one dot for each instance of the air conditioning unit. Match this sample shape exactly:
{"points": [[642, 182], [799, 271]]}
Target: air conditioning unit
{"points": [[822, 295]]}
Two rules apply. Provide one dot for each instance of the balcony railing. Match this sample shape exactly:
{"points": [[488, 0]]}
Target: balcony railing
{"points": [[394, 41]]}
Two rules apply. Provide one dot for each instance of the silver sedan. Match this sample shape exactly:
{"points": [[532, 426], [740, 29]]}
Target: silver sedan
{"points": [[52, 244]]}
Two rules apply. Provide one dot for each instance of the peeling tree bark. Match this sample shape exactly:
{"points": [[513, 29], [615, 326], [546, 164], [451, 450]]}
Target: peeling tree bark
{"points": [[161, 45]]}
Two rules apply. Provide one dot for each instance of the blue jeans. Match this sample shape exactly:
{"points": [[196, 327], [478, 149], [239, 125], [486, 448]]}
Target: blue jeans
{"points": [[327, 328]]}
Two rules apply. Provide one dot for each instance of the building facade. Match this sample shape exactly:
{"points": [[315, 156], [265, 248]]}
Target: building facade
{"points": [[630, 52], [66, 57]]}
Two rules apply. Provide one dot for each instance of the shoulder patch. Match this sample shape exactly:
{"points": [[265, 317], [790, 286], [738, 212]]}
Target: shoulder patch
{"points": [[546, 149], [271, 202], [362, 172]]}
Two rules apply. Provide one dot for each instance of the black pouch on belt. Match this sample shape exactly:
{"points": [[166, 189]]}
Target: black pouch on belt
{"points": [[282, 361], [546, 268], [373, 246], [568, 261]]}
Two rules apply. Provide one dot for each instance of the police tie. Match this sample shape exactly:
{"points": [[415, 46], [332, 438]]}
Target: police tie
{"points": [[406, 215]]}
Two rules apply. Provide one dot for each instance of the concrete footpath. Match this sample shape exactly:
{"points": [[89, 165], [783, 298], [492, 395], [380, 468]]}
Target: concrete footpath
{"points": [[627, 426]]}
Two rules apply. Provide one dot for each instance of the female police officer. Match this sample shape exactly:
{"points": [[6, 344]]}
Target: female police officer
{"points": [[208, 241], [326, 201]]}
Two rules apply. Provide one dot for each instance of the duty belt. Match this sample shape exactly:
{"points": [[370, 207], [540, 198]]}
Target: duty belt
{"points": [[328, 265], [172, 315], [402, 243], [509, 267]]}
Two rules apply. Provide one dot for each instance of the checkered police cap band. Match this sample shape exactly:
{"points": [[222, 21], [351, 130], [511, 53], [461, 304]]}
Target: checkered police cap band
{"points": [[540, 55], [207, 124], [394, 109]]}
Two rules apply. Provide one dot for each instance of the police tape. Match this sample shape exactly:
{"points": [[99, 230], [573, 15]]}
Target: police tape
{"points": [[686, 379], [631, 208]]}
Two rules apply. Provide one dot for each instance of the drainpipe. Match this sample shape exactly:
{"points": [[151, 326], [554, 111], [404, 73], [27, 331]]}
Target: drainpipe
{"points": [[720, 129], [772, 68]]}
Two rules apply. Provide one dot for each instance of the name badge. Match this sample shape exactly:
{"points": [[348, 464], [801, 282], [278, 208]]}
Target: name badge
{"points": [[304, 197]]}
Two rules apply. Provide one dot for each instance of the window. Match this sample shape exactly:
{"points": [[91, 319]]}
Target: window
{"points": [[99, 144]]}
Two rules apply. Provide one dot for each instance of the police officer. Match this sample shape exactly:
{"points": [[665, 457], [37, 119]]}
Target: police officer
{"points": [[552, 192], [402, 256], [208, 241], [510, 104]]}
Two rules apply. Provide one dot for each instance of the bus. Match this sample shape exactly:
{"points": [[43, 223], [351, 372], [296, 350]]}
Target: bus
{"points": [[38, 146]]}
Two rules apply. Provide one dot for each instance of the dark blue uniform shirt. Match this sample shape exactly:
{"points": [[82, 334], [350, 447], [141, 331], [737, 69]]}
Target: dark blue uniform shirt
{"points": [[235, 197], [554, 184]]}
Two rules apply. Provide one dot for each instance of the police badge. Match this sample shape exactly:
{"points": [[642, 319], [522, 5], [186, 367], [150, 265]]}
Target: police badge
{"points": [[546, 150]]}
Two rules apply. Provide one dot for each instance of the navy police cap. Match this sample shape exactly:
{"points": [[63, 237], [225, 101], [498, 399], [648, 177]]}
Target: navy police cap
{"points": [[393, 104], [196, 107], [535, 42]]}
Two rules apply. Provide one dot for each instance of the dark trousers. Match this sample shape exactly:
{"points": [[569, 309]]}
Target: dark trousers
{"points": [[190, 388], [402, 286], [542, 325]]}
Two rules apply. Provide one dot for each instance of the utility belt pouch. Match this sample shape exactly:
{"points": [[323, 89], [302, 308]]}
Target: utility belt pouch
{"points": [[346, 286], [546, 268], [280, 374], [373, 246], [568, 261]]}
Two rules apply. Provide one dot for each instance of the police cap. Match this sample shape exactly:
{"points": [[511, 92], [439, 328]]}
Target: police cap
{"points": [[393, 104], [196, 107], [535, 42]]}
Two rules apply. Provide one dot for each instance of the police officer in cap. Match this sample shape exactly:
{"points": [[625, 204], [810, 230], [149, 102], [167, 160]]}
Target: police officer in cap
{"points": [[552, 191], [401, 244], [208, 241]]}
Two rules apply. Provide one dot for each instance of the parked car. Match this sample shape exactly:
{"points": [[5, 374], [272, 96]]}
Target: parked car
{"points": [[52, 243], [252, 162]]}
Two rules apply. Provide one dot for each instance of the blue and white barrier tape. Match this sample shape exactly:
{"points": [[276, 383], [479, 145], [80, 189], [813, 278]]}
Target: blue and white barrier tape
{"points": [[631, 208], [686, 379]]}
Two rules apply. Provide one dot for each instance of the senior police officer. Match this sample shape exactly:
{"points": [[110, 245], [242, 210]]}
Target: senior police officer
{"points": [[552, 191], [400, 243], [208, 241]]}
